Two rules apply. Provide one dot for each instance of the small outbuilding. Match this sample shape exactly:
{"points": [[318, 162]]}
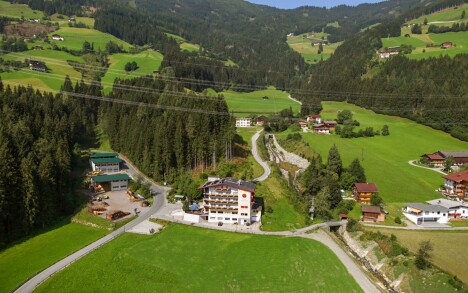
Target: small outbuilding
{"points": [[372, 214]]}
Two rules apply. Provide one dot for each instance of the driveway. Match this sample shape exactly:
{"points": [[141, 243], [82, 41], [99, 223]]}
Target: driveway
{"points": [[266, 168]]}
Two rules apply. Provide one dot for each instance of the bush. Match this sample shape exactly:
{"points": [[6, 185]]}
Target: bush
{"points": [[405, 263], [455, 283], [353, 225], [269, 209], [421, 262], [294, 136], [397, 220]]}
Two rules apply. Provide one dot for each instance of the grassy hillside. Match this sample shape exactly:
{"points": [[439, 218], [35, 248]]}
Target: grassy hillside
{"points": [[63, 22], [385, 159], [243, 104], [25, 259], [303, 45], [18, 10], [57, 66], [147, 62], [190, 259], [75, 37], [447, 15]]}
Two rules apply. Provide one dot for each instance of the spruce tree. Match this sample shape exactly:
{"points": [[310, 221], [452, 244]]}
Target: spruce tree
{"points": [[357, 171], [335, 165]]}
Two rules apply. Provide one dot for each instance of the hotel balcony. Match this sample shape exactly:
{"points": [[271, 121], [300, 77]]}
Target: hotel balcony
{"points": [[220, 194], [218, 200], [218, 207]]}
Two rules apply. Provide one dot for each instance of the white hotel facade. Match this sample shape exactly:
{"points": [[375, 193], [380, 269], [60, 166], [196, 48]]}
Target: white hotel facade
{"points": [[230, 201]]}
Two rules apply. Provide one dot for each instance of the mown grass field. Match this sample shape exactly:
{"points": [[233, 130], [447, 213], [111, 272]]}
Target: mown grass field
{"points": [[184, 44], [19, 10], [56, 62], [147, 62], [385, 158], [447, 248], [75, 37], [253, 102], [27, 258], [449, 14], [304, 47], [190, 259], [63, 22]]}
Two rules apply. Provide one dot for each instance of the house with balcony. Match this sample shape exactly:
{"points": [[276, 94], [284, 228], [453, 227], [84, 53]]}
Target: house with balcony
{"points": [[363, 192], [230, 201], [456, 185], [372, 214], [457, 209], [420, 213]]}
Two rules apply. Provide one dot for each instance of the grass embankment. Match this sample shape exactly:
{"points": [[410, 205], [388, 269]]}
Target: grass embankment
{"points": [[447, 248], [147, 62], [19, 10], [190, 259], [303, 44], [56, 62], [75, 37], [247, 133], [243, 104], [385, 158], [27, 258]]}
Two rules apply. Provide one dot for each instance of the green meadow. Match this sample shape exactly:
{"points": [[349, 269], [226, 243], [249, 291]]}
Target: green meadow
{"points": [[385, 158], [75, 37], [303, 45], [147, 62], [190, 259], [253, 102], [23, 260], [63, 22], [18, 10], [449, 15], [56, 62], [184, 44]]}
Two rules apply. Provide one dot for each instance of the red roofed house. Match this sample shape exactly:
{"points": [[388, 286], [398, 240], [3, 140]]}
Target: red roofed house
{"points": [[446, 45], [316, 118], [57, 37], [456, 185], [372, 214], [364, 191], [261, 120], [434, 159]]}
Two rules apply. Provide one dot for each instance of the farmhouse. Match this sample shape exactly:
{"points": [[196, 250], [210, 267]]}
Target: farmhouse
{"points": [[230, 201], [457, 209], [105, 162], [38, 47], [363, 192], [261, 120], [456, 185], [316, 118], [57, 37], [372, 214], [320, 128], [304, 125], [111, 182], [420, 213], [37, 65], [446, 45], [243, 122], [330, 124], [434, 159]]}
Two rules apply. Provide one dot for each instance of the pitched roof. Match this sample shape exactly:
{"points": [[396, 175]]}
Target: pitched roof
{"points": [[107, 178], [365, 187], [371, 209], [106, 160], [458, 177], [427, 207], [103, 155], [446, 203], [313, 116], [330, 122], [240, 184], [434, 156], [455, 154]]}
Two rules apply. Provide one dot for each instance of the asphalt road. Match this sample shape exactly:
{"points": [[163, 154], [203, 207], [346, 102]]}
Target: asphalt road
{"points": [[266, 168], [159, 200]]}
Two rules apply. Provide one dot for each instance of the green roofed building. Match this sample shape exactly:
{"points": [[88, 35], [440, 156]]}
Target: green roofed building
{"points": [[112, 182], [105, 162]]}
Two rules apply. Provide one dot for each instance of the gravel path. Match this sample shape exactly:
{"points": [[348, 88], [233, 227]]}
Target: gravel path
{"points": [[419, 166]]}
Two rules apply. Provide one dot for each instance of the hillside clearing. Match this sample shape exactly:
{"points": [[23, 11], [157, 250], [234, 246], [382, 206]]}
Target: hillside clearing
{"points": [[303, 44], [19, 10], [191, 259]]}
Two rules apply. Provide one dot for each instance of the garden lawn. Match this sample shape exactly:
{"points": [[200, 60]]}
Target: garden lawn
{"points": [[18, 10], [447, 248], [147, 61], [52, 80], [23, 260], [190, 259], [253, 102], [75, 37], [385, 158]]}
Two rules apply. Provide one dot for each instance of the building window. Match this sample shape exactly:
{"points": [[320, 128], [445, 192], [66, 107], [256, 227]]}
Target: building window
{"points": [[438, 212], [235, 213], [234, 219], [227, 219], [220, 212], [212, 218], [443, 215], [244, 214]]}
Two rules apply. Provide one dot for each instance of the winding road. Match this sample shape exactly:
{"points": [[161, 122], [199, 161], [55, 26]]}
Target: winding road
{"points": [[266, 168]]}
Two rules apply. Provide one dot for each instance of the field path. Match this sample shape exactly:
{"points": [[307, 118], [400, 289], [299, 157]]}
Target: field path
{"points": [[435, 170], [291, 98], [266, 168], [158, 203]]}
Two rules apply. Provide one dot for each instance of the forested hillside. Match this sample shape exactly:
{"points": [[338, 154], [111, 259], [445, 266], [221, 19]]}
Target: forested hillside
{"points": [[38, 133]]}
